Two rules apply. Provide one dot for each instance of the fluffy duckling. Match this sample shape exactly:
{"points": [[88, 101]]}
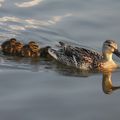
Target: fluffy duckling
{"points": [[30, 50], [44, 52], [8, 46], [18, 48]]}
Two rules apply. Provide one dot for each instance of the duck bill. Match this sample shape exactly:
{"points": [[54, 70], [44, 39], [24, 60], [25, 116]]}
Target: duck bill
{"points": [[117, 53]]}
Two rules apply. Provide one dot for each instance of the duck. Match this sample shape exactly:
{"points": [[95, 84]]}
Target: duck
{"points": [[8, 46], [30, 50], [86, 59]]}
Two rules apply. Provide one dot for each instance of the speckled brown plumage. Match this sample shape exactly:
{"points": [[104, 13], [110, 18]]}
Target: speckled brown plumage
{"points": [[8, 46], [87, 59], [77, 57], [30, 50], [12, 47]]}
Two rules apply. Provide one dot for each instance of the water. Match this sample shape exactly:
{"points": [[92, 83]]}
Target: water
{"points": [[43, 90]]}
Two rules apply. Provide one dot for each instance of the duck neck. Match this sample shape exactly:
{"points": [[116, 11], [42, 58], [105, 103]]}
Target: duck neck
{"points": [[107, 56]]}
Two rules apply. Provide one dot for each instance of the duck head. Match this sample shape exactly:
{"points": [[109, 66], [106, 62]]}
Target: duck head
{"points": [[110, 47]]}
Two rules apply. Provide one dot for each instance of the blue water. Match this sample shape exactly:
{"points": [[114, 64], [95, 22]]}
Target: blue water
{"points": [[42, 90]]}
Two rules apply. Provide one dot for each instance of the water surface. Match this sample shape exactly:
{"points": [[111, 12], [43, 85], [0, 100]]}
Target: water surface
{"points": [[44, 90]]}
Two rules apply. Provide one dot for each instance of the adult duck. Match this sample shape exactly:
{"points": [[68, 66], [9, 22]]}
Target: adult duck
{"points": [[86, 59]]}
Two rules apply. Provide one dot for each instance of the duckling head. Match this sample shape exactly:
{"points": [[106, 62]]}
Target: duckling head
{"points": [[12, 41], [33, 46], [19, 46]]}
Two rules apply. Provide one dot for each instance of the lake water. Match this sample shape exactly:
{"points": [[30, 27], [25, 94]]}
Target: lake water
{"points": [[43, 90]]}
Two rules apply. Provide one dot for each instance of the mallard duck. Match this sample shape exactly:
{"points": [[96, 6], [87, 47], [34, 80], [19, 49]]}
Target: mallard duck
{"points": [[86, 59], [30, 50]]}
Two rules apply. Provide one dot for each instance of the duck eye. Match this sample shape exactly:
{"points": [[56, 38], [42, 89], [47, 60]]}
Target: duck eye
{"points": [[109, 45]]}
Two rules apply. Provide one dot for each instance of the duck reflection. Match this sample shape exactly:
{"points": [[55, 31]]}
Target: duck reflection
{"points": [[107, 84]]}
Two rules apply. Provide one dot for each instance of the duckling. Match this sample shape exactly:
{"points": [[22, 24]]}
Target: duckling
{"points": [[18, 48], [30, 50], [8, 46], [35, 49], [44, 52]]}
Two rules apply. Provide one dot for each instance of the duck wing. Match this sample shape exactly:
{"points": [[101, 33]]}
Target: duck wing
{"points": [[75, 56]]}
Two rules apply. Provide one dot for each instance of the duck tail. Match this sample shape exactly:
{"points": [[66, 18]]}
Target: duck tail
{"points": [[53, 53]]}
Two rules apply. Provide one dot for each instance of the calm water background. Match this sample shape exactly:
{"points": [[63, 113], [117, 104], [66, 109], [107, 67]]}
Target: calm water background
{"points": [[41, 90]]}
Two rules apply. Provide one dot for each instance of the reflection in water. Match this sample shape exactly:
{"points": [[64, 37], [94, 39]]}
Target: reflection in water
{"points": [[11, 19], [28, 4], [22, 24], [59, 18], [26, 64], [38, 64], [71, 71], [107, 84], [16, 27]]}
